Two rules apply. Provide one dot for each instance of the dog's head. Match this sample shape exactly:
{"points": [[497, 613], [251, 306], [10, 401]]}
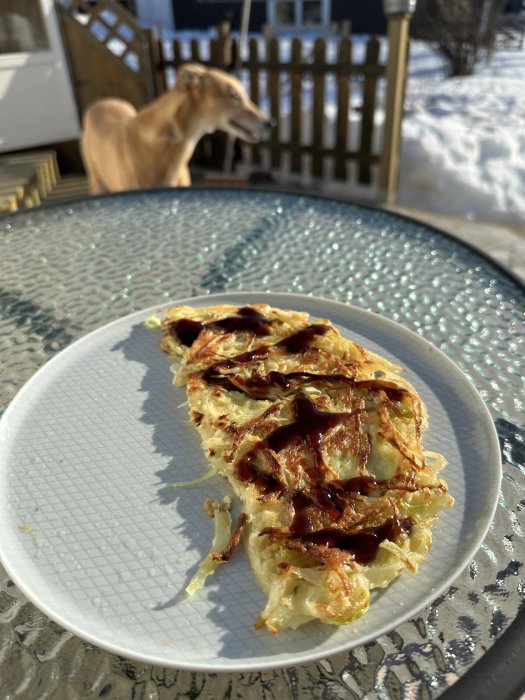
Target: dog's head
{"points": [[221, 102]]}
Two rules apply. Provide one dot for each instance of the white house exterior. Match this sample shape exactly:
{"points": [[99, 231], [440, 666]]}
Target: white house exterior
{"points": [[37, 105], [155, 13]]}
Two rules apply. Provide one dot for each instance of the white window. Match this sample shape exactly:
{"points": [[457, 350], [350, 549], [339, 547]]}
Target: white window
{"points": [[298, 13], [37, 104], [22, 28]]}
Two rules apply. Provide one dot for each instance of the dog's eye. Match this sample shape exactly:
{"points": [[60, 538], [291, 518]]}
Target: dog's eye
{"points": [[234, 95]]}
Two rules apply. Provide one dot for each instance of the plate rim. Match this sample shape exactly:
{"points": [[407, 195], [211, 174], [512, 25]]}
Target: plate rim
{"points": [[252, 663]]}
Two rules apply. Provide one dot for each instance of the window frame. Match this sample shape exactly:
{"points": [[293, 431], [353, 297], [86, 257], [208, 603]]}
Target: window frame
{"points": [[298, 15]]}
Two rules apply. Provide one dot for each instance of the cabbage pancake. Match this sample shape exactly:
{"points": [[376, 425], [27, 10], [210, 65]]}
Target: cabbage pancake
{"points": [[320, 440]]}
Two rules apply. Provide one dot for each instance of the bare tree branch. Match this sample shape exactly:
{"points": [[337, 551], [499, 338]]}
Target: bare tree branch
{"points": [[461, 29]]}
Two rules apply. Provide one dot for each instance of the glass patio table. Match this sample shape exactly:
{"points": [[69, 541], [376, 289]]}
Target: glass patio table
{"points": [[68, 269]]}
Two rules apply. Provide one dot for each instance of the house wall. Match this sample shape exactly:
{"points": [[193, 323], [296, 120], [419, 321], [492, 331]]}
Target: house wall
{"points": [[202, 14], [154, 13], [36, 97], [366, 17]]}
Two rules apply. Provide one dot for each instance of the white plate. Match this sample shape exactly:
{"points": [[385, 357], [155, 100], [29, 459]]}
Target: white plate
{"points": [[93, 537]]}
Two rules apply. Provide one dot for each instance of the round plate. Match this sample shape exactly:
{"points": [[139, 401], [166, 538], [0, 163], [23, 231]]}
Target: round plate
{"points": [[92, 534]]}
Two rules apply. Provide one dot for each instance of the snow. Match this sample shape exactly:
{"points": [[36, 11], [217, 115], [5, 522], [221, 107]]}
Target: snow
{"points": [[463, 139], [463, 149]]}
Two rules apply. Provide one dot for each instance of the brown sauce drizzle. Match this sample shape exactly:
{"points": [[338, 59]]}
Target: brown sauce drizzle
{"points": [[300, 341], [364, 543], [321, 497], [310, 425], [261, 387], [393, 392], [246, 470], [330, 498], [186, 330], [248, 320]]}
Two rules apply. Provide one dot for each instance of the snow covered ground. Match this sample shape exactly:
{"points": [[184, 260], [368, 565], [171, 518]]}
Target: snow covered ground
{"points": [[464, 138], [463, 145]]}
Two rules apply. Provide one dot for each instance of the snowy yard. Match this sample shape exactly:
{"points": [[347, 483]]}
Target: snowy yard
{"points": [[464, 138]]}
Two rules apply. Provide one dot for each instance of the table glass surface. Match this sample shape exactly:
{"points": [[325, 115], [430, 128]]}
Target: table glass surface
{"points": [[68, 269]]}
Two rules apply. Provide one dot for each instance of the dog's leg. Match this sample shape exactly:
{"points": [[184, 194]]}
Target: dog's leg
{"points": [[95, 186], [182, 178], [185, 177]]}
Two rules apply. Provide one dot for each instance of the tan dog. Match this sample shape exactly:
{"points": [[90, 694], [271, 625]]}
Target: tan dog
{"points": [[124, 149]]}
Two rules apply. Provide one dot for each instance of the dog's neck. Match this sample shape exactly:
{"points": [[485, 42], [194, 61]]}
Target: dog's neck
{"points": [[171, 122], [168, 124]]}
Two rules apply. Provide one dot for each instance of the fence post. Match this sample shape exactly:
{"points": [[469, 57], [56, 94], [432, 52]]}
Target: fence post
{"points": [[222, 48], [158, 71], [274, 94], [396, 70], [254, 70], [364, 175]]}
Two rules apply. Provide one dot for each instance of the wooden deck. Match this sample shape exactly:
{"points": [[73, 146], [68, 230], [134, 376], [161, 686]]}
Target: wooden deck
{"points": [[29, 178]]}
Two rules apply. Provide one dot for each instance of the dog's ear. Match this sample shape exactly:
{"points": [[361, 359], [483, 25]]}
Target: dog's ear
{"points": [[190, 77]]}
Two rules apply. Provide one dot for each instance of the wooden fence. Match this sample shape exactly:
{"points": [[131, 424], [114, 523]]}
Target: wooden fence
{"points": [[346, 145], [293, 89], [108, 52]]}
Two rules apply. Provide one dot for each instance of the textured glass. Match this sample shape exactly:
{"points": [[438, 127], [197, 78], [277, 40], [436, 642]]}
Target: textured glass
{"points": [[65, 270]]}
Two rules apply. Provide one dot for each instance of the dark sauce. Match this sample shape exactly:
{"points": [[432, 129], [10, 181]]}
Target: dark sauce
{"points": [[362, 485], [240, 359], [262, 386], [249, 320], [246, 470], [210, 377], [300, 341], [307, 505], [258, 387], [394, 393], [186, 330], [329, 498], [310, 425], [363, 544]]}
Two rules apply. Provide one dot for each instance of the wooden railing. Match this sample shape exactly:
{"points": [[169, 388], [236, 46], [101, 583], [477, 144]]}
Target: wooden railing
{"points": [[108, 52]]}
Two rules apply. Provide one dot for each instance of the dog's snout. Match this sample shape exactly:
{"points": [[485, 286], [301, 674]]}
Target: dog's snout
{"points": [[268, 124]]}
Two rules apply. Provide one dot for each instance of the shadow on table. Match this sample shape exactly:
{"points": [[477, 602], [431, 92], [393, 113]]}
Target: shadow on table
{"points": [[236, 601]]}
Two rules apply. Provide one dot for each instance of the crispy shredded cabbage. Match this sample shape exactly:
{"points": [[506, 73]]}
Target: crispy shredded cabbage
{"points": [[220, 511], [302, 583]]}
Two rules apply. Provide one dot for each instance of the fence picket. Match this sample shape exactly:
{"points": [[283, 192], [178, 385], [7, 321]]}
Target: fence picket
{"points": [[343, 97], [272, 60], [253, 69], [369, 105], [195, 50], [178, 58], [319, 68], [296, 106], [157, 63], [221, 48]]}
